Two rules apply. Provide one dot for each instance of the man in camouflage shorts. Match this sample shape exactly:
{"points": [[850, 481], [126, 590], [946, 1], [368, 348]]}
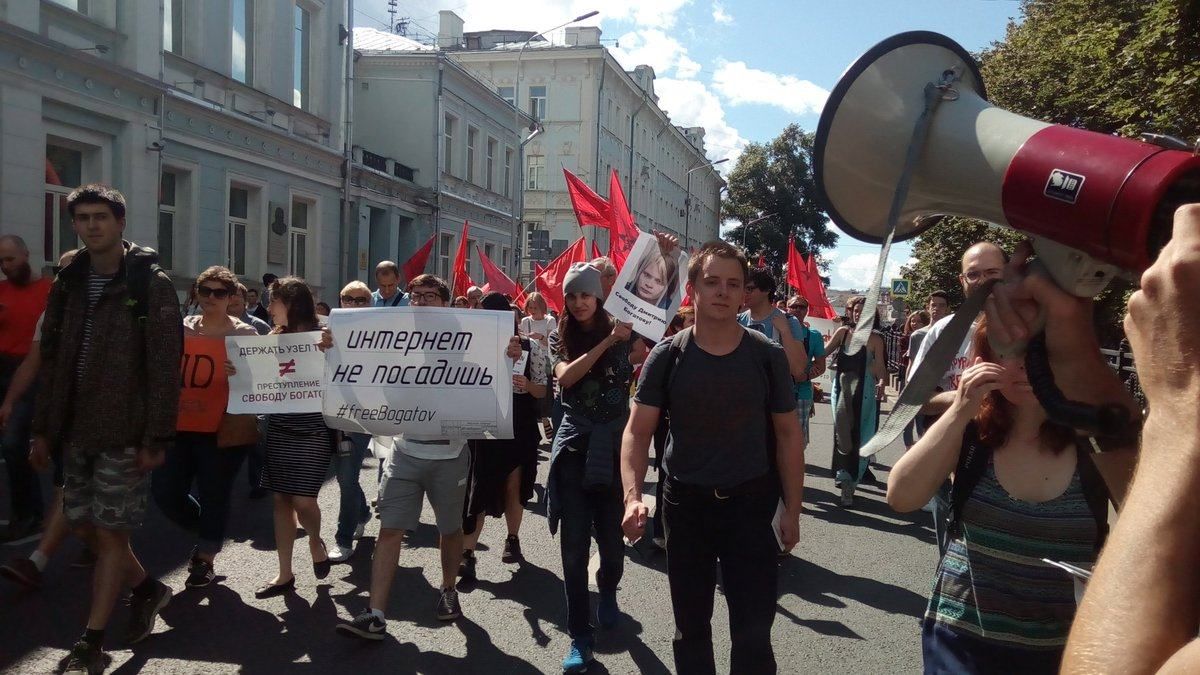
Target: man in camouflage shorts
{"points": [[107, 400]]}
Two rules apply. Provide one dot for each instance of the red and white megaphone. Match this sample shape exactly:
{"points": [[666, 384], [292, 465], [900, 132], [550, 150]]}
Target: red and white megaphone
{"points": [[1109, 198]]}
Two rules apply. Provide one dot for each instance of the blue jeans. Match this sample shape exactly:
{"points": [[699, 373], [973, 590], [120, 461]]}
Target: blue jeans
{"points": [[352, 507], [23, 483], [196, 458], [581, 511], [947, 652], [804, 408]]}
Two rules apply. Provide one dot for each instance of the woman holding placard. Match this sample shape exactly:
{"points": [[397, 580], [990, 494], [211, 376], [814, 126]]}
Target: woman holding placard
{"points": [[209, 443], [591, 354], [299, 449]]}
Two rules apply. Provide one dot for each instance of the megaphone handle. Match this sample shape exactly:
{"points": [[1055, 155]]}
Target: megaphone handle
{"points": [[1108, 421]]}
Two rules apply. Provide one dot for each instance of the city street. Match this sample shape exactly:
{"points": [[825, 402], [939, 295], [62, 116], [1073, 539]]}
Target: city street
{"points": [[850, 599]]}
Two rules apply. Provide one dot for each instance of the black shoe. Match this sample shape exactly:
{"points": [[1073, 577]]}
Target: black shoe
{"points": [[366, 626], [23, 571], [86, 659], [321, 569], [87, 558], [466, 568], [272, 590], [200, 572], [19, 529], [448, 608], [143, 612], [512, 550]]}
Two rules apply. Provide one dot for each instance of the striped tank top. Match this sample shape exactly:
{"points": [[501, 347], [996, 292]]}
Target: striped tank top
{"points": [[992, 583]]}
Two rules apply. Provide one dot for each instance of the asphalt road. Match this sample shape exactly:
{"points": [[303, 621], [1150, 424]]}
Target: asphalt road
{"points": [[850, 598]]}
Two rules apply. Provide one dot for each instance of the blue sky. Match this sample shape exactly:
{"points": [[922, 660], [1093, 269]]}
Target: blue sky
{"points": [[743, 69]]}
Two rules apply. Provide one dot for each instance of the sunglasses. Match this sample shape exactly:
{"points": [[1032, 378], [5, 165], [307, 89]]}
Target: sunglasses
{"points": [[218, 293], [355, 300]]}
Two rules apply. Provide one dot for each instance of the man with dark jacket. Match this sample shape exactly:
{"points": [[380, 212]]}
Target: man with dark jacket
{"points": [[107, 401]]}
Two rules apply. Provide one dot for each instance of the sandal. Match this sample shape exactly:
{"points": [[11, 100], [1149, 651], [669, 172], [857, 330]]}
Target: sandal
{"points": [[272, 590], [321, 569]]}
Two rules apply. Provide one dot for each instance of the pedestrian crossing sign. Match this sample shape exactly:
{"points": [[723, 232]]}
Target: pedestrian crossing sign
{"points": [[900, 288]]}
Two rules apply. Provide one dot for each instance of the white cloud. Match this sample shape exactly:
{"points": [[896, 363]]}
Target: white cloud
{"points": [[720, 15], [742, 85], [656, 49], [692, 104], [858, 270]]}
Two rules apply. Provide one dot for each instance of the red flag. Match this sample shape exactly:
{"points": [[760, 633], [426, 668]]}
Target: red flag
{"points": [[462, 280], [818, 303], [550, 279], [497, 280], [590, 208], [622, 232], [762, 262], [416, 264], [797, 269]]}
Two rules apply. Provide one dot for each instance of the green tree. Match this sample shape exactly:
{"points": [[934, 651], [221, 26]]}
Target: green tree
{"points": [[776, 178]]}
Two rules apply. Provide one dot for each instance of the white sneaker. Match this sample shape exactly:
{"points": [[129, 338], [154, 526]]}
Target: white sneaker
{"points": [[338, 554], [928, 508]]}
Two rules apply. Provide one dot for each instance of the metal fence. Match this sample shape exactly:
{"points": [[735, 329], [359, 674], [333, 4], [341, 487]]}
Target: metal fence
{"points": [[1121, 360]]}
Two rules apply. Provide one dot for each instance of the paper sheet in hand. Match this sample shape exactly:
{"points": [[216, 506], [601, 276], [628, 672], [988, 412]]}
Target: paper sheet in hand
{"points": [[276, 373], [428, 371], [649, 289], [519, 364], [777, 524]]}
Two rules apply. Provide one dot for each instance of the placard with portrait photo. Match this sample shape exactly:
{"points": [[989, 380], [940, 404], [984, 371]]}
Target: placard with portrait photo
{"points": [[649, 289]]}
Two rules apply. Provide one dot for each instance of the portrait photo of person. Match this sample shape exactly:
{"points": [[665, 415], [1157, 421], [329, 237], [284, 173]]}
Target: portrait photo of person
{"points": [[656, 278]]}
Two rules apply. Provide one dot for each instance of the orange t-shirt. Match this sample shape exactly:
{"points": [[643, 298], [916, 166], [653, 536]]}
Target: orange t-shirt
{"points": [[20, 307]]}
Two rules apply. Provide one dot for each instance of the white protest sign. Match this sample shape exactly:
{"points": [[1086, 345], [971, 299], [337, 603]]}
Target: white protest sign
{"points": [[429, 372], [826, 327], [276, 373], [649, 289]]}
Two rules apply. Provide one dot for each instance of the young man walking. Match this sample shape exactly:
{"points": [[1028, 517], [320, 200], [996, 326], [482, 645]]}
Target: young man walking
{"points": [[108, 397], [734, 447]]}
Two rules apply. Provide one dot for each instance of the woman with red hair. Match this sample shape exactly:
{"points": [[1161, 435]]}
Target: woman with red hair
{"points": [[1024, 489]]}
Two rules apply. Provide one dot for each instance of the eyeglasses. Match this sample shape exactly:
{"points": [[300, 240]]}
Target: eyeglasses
{"points": [[430, 296], [356, 300], [218, 293]]}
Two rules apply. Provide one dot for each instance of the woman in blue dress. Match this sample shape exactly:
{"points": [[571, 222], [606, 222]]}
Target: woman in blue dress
{"points": [[855, 419]]}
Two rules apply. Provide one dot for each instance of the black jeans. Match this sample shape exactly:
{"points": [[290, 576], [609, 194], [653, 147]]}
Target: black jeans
{"points": [[581, 511], [23, 483], [703, 530], [196, 458]]}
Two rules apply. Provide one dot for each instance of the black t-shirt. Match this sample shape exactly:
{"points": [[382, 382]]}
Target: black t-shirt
{"points": [[602, 394], [720, 409]]}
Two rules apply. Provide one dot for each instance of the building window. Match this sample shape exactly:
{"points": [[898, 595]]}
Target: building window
{"points": [[472, 141], [536, 175], [173, 26], [444, 257], [489, 171], [448, 145], [508, 94], [243, 41], [471, 255], [508, 157], [80, 6], [235, 229], [537, 102], [298, 240], [167, 185], [64, 172], [300, 59], [489, 250], [504, 258]]}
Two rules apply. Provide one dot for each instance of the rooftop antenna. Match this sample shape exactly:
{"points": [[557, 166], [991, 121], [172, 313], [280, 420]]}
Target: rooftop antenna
{"points": [[392, 9], [402, 27]]}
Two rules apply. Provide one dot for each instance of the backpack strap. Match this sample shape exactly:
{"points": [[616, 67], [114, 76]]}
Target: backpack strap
{"points": [[396, 298], [679, 342], [1095, 490], [972, 462], [137, 282]]}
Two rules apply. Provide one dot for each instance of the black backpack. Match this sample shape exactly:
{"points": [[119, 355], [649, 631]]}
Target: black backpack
{"points": [[138, 274], [973, 462]]}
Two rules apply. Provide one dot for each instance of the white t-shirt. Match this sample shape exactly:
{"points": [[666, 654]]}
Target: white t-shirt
{"points": [[950, 379], [545, 327], [432, 448]]}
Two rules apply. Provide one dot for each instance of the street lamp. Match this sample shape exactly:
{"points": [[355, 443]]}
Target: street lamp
{"points": [[518, 204], [746, 227], [687, 201]]}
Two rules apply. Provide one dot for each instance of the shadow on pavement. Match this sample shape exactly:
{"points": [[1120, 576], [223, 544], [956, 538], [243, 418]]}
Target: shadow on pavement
{"points": [[867, 512], [822, 586]]}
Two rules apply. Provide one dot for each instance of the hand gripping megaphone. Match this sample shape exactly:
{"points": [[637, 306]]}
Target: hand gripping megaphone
{"points": [[1108, 200]]}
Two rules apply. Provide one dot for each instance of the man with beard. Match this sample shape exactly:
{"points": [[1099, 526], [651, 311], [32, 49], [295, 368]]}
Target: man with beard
{"points": [[22, 301]]}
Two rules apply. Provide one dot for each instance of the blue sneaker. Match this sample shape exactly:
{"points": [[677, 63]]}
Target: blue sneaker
{"points": [[578, 657], [607, 612]]}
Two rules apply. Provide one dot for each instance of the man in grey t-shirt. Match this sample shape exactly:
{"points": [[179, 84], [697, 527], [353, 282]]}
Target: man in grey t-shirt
{"points": [[728, 456]]}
